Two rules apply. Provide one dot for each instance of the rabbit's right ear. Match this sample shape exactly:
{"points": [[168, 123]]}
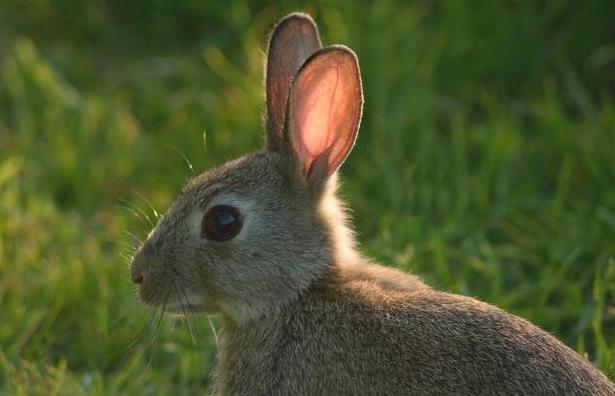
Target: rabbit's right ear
{"points": [[324, 112], [294, 39]]}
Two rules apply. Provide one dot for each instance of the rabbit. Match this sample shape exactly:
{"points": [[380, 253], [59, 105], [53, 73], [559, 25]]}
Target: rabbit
{"points": [[263, 241]]}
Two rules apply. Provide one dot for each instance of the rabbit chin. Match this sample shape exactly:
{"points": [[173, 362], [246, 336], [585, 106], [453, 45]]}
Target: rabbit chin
{"points": [[190, 309], [189, 304]]}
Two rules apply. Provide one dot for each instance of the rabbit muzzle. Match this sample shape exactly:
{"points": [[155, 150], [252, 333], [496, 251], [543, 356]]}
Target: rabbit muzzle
{"points": [[146, 270]]}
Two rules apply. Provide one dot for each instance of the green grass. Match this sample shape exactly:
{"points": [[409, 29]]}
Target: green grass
{"points": [[485, 163]]}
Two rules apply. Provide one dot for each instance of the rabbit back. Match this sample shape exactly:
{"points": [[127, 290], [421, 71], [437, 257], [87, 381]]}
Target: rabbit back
{"points": [[361, 335]]}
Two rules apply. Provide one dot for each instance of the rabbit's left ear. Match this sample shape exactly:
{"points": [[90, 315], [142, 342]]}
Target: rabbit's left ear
{"points": [[293, 40], [324, 111]]}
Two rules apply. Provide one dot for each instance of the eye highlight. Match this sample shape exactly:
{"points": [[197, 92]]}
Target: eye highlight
{"points": [[221, 223]]}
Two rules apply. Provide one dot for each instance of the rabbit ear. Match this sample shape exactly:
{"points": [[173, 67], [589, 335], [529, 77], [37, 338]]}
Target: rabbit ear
{"points": [[325, 105], [293, 40]]}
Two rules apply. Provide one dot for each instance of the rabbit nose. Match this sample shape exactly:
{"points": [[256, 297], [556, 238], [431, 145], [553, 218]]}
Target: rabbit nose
{"points": [[139, 265], [135, 269], [137, 278]]}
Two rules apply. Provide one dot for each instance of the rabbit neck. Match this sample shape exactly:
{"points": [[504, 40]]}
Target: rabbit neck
{"points": [[250, 354]]}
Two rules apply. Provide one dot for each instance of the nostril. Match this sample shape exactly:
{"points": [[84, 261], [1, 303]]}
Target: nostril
{"points": [[136, 268], [137, 278], [142, 264]]}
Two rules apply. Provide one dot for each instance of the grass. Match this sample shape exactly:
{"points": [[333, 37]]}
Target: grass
{"points": [[484, 164]]}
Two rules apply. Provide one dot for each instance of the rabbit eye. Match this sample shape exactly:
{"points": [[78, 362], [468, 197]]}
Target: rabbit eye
{"points": [[221, 223]]}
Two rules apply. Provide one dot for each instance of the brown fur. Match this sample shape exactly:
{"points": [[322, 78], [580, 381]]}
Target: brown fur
{"points": [[303, 312], [361, 335]]}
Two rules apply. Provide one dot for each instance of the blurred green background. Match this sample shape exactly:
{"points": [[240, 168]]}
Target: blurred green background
{"points": [[485, 164]]}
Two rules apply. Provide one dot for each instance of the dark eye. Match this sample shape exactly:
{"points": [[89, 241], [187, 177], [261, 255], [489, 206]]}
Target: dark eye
{"points": [[221, 223]]}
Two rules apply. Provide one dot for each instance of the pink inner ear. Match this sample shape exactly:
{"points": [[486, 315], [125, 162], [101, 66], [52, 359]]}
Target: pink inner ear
{"points": [[317, 119], [326, 108]]}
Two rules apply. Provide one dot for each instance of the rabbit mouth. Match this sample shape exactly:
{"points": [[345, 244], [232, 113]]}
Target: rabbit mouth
{"points": [[182, 302], [189, 304], [188, 308]]}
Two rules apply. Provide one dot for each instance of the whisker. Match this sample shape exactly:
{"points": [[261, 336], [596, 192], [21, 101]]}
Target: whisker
{"points": [[124, 243], [183, 156], [132, 211], [159, 324], [134, 237], [139, 334], [213, 330], [195, 322], [193, 330], [156, 333], [179, 292], [138, 211], [185, 315], [197, 270], [119, 317], [126, 258], [147, 201]]}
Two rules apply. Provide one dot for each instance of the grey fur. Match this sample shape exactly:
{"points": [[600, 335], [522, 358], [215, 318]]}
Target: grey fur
{"points": [[304, 313]]}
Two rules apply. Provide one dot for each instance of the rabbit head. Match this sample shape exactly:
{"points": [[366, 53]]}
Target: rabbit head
{"points": [[247, 236]]}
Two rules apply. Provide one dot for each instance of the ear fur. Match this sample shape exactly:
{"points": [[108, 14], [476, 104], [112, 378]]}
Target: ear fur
{"points": [[324, 112], [294, 39]]}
